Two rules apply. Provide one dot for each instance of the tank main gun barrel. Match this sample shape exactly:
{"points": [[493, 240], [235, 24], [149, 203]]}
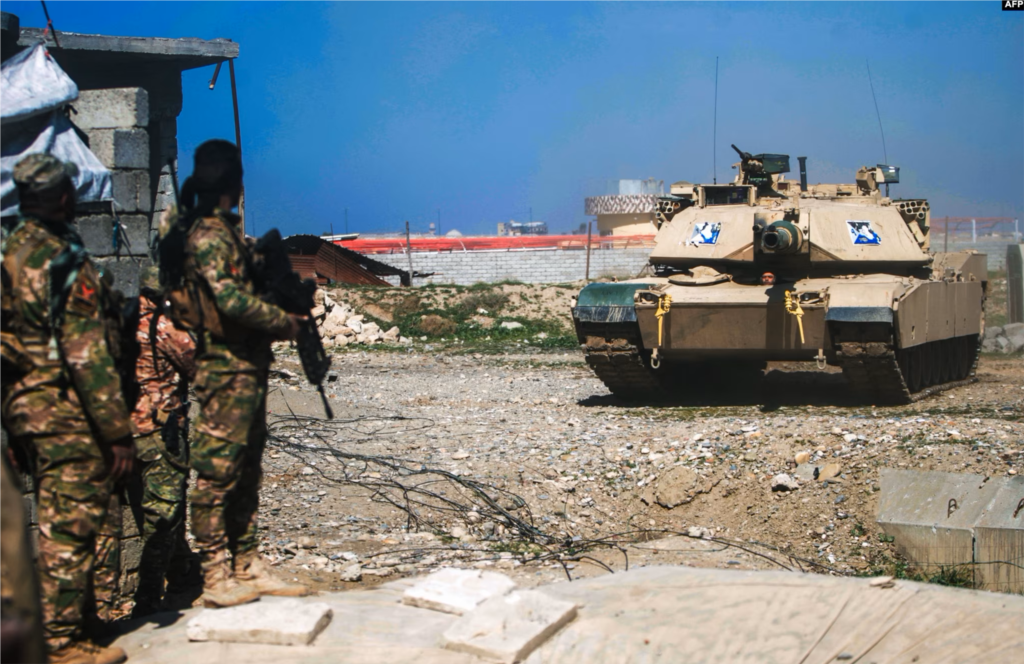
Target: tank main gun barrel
{"points": [[782, 237]]}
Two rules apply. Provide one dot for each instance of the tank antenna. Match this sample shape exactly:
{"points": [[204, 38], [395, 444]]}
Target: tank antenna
{"points": [[875, 99], [714, 133]]}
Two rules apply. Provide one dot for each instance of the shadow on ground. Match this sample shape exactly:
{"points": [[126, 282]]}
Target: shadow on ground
{"points": [[775, 389]]}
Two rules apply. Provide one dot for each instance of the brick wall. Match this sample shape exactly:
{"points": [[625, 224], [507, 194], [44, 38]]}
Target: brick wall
{"points": [[538, 266]]}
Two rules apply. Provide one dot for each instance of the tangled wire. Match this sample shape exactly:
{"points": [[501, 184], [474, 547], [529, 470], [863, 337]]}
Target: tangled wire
{"points": [[431, 498]]}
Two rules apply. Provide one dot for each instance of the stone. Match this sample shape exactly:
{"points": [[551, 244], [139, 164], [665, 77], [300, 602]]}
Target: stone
{"points": [[829, 471], [783, 482], [460, 455], [993, 332], [698, 531], [676, 487], [511, 325], [120, 148], [334, 323], [289, 622], [1014, 333], [352, 573], [805, 472], [392, 335], [802, 457], [111, 108], [455, 590], [341, 341], [508, 628], [307, 542]]}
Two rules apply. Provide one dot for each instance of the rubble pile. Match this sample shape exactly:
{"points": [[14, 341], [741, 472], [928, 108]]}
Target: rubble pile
{"points": [[339, 325], [1006, 339]]}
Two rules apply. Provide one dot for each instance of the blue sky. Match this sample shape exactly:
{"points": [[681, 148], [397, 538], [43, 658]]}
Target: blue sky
{"points": [[485, 111]]}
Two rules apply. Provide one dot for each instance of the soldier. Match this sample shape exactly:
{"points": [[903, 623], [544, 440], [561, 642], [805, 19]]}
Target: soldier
{"points": [[21, 627], [231, 383], [163, 371], [61, 399]]}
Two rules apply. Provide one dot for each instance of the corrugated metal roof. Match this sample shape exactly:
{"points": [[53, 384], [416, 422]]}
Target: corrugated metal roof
{"points": [[314, 257]]}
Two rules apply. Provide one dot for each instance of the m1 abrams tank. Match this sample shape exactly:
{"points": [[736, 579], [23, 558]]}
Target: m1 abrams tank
{"points": [[769, 269]]}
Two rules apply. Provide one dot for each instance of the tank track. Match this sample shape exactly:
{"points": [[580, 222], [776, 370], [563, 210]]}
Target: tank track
{"points": [[621, 367], [873, 370]]}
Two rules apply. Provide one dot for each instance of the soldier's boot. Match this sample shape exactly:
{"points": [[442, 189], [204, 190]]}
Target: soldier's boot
{"points": [[221, 588], [254, 570], [87, 652]]}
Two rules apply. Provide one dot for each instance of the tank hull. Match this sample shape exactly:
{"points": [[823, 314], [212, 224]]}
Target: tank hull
{"points": [[877, 327]]}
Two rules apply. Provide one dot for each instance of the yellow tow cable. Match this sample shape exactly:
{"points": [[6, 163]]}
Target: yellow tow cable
{"points": [[793, 307], [664, 304]]}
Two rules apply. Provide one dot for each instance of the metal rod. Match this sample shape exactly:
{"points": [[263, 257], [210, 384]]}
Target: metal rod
{"points": [[714, 133], [885, 152], [216, 73], [590, 226], [408, 250], [238, 138], [49, 24]]}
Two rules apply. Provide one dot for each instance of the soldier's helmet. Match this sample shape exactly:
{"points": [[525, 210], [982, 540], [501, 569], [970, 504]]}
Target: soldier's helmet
{"points": [[39, 173]]}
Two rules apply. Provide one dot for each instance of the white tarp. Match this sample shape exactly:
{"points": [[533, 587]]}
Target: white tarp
{"points": [[33, 97]]}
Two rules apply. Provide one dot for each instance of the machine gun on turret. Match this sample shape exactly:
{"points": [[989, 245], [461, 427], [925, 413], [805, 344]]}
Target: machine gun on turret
{"points": [[758, 169], [278, 284]]}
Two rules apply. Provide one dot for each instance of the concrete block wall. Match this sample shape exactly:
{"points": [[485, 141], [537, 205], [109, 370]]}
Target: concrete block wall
{"points": [[528, 266], [116, 122]]}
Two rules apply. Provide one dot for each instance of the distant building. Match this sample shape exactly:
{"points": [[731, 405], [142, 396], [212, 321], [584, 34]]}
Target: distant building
{"points": [[514, 228], [628, 207]]}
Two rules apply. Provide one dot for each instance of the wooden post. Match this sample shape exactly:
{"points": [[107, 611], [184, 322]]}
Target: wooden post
{"points": [[238, 138], [408, 251], [590, 226]]}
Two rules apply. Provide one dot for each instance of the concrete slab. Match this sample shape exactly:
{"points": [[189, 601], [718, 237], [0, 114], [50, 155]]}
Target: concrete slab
{"points": [[510, 627], [457, 590], [287, 623], [652, 615]]}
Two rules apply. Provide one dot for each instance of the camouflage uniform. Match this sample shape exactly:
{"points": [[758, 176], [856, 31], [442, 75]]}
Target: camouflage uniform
{"points": [[231, 388], [166, 364], [19, 588], [62, 401]]}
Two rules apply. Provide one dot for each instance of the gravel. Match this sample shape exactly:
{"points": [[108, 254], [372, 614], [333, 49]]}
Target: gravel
{"points": [[542, 427]]}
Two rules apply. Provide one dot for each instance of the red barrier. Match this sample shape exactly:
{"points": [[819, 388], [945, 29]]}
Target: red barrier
{"points": [[494, 243]]}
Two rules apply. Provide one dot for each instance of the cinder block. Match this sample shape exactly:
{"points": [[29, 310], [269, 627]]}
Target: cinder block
{"points": [[97, 232], [131, 190], [125, 272], [128, 526], [120, 148], [114, 108], [131, 554]]}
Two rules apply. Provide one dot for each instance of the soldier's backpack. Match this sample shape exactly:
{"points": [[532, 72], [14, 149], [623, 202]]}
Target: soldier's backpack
{"points": [[188, 304]]}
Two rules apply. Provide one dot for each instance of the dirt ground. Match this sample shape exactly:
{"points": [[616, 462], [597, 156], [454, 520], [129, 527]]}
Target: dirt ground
{"points": [[553, 449]]}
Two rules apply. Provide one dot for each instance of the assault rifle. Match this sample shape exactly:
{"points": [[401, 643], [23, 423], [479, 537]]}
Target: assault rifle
{"points": [[279, 285]]}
